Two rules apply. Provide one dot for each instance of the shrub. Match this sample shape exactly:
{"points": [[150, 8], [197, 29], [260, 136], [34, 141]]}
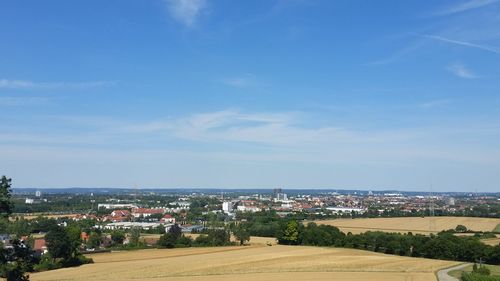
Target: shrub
{"points": [[478, 277], [483, 271], [47, 263]]}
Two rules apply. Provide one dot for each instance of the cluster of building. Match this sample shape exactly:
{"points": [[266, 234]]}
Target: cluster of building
{"points": [[335, 203]]}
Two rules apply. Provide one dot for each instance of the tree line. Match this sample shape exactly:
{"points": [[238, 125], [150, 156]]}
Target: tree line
{"points": [[445, 245], [18, 259]]}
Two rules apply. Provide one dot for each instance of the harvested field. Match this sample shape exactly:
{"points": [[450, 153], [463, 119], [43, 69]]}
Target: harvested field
{"points": [[152, 239], [36, 215], [255, 240], [249, 263], [488, 241], [491, 241], [412, 224]]}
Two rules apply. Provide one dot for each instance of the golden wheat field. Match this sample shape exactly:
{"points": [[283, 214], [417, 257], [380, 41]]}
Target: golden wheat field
{"points": [[248, 263], [420, 225], [36, 215], [491, 241]]}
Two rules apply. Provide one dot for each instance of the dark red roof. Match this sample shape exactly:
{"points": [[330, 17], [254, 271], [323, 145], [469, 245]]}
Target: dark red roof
{"points": [[40, 245]]}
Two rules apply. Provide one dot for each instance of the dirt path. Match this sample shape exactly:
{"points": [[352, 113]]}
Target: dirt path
{"points": [[443, 273]]}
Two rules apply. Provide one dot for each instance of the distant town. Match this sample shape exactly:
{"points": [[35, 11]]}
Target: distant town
{"points": [[57, 228], [192, 209]]}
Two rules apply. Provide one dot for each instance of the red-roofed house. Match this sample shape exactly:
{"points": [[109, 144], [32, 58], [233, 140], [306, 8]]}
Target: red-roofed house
{"points": [[167, 219], [118, 216], [120, 213], [40, 246], [84, 236]]}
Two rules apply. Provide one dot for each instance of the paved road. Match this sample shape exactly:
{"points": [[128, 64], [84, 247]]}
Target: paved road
{"points": [[443, 273]]}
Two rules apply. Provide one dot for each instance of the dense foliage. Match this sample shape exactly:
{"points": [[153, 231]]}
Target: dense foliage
{"points": [[16, 261], [6, 204], [478, 277], [445, 245], [212, 237]]}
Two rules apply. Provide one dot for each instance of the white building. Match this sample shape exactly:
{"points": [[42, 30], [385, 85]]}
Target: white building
{"points": [[281, 197], [181, 204], [227, 207], [338, 210], [143, 225], [243, 208], [116, 206], [144, 212], [451, 201]]}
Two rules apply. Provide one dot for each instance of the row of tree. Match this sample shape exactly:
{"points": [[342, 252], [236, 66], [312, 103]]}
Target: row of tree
{"points": [[174, 238], [445, 245]]}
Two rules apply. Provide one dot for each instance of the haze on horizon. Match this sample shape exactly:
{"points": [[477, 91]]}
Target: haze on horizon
{"points": [[251, 94]]}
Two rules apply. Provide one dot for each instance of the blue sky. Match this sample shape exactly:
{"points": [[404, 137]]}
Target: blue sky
{"points": [[251, 94]]}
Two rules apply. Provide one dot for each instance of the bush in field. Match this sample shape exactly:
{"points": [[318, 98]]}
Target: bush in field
{"points": [[184, 241], [47, 263], [461, 228], [478, 277], [117, 236], [135, 234], [214, 237], [482, 270]]}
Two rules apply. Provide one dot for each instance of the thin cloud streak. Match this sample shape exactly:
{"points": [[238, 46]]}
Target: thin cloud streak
{"points": [[434, 103], [23, 101], [464, 43], [26, 84], [466, 6]]}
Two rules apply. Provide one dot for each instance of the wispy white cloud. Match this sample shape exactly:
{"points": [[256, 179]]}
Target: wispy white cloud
{"points": [[232, 143], [466, 6], [26, 84], [461, 71], [23, 101], [240, 81], [186, 11], [397, 55], [434, 103], [273, 137], [487, 48]]}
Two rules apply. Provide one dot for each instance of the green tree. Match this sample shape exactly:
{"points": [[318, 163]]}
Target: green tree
{"points": [[214, 237], [135, 234], [59, 244], [461, 228], [290, 234], [241, 233], [16, 261], [20, 227], [94, 240], [184, 241], [74, 235], [6, 204], [117, 236], [167, 240], [175, 230]]}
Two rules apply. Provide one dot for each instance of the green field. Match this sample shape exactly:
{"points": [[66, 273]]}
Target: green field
{"points": [[495, 270], [497, 228]]}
